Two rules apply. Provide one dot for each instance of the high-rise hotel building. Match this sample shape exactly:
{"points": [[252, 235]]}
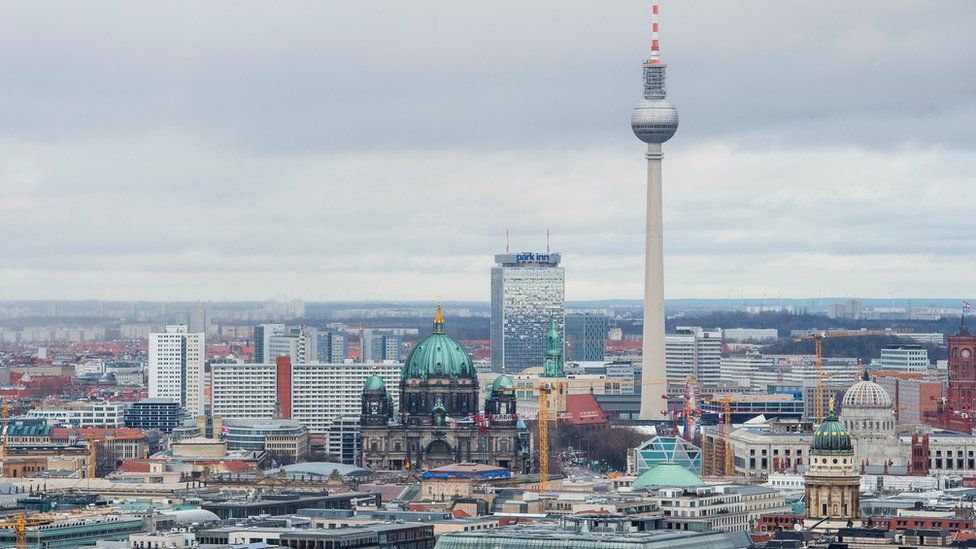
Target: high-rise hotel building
{"points": [[527, 293], [176, 359]]}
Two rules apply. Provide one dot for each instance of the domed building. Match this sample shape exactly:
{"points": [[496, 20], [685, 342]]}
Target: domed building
{"points": [[667, 474], [869, 417], [832, 483], [440, 420]]}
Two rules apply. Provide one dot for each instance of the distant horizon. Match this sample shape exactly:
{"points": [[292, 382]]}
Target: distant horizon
{"points": [[737, 301]]}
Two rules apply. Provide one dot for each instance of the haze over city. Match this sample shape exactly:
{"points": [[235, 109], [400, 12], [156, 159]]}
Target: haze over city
{"points": [[379, 150]]}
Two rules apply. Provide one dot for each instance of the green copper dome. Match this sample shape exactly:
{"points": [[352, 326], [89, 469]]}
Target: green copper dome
{"points": [[439, 355], [502, 383], [374, 383], [832, 437], [667, 474]]}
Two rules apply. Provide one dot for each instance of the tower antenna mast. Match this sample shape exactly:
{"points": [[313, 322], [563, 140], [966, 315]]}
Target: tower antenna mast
{"points": [[654, 120]]}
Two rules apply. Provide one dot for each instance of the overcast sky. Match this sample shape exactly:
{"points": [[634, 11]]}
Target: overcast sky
{"points": [[378, 150]]}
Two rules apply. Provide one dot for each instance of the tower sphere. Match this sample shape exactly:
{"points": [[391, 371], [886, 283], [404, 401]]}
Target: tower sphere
{"points": [[654, 120]]}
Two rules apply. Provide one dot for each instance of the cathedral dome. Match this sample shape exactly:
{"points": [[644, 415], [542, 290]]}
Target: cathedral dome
{"points": [[502, 383], [866, 394], [832, 436], [439, 355], [374, 383]]}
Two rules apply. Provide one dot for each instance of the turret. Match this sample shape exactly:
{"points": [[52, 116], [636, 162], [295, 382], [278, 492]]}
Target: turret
{"points": [[552, 364]]}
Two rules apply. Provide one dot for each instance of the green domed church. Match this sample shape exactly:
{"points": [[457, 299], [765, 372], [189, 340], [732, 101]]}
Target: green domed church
{"points": [[832, 494], [440, 420]]}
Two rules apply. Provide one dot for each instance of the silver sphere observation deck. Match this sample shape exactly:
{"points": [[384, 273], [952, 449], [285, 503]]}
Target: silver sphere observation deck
{"points": [[654, 119]]}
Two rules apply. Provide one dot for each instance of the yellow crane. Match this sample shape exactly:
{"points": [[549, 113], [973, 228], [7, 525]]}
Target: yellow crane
{"points": [[818, 338], [21, 522], [729, 458], [543, 390], [3, 432]]}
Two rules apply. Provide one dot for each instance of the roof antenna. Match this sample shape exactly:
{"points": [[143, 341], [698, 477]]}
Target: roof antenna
{"points": [[547, 240], [655, 50], [506, 239]]}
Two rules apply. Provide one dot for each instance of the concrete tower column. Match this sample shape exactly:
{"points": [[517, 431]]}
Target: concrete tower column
{"points": [[654, 378]]}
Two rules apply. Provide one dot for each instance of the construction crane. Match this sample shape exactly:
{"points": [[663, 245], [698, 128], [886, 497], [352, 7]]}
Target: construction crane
{"points": [[3, 432], [543, 391], [818, 337], [727, 435], [21, 522]]}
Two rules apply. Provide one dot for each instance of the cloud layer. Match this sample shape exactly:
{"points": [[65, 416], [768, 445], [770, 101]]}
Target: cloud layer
{"points": [[379, 150]]}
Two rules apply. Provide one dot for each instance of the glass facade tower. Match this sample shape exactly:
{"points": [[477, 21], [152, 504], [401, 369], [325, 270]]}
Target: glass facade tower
{"points": [[586, 337], [527, 291]]}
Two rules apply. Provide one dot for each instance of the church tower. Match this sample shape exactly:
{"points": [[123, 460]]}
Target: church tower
{"points": [[552, 363], [831, 481]]}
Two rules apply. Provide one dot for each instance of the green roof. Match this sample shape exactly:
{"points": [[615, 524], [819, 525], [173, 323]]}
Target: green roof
{"points": [[374, 383], [439, 355], [667, 474], [501, 383], [832, 437]]}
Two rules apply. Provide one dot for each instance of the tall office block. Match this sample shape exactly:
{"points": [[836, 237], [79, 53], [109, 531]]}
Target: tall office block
{"points": [[262, 341], [904, 357], [586, 337], [176, 360], [299, 343], [693, 352], [378, 346], [199, 318], [331, 346], [527, 292]]}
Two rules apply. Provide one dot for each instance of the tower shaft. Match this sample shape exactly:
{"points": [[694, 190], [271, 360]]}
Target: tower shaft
{"points": [[653, 373]]}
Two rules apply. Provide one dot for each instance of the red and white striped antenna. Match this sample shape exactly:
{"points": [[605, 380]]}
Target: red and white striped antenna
{"points": [[655, 49]]}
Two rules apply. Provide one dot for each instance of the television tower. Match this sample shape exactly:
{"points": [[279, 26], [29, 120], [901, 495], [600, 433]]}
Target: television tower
{"points": [[654, 120]]}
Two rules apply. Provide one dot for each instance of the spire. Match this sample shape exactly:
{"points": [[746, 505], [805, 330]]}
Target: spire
{"points": [[552, 364], [655, 50], [439, 320]]}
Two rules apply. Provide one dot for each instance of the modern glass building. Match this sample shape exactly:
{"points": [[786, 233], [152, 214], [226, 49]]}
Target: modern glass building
{"points": [[586, 337], [527, 291], [154, 413], [667, 449]]}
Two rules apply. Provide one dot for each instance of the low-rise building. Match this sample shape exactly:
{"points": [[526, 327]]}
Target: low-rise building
{"points": [[154, 413], [281, 437], [82, 414], [122, 443], [758, 449]]}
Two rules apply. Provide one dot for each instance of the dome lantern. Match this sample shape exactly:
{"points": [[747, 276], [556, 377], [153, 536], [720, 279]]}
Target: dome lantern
{"points": [[832, 436]]}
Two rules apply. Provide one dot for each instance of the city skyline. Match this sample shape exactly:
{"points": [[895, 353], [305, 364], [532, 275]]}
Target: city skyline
{"points": [[235, 164]]}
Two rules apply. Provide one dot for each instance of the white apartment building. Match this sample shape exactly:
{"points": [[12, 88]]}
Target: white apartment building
{"points": [[323, 392], [319, 393], [905, 358], [90, 367], [176, 360], [244, 391], [750, 334], [82, 414], [746, 371], [730, 508], [933, 338], [693, 351], [799, 369]]}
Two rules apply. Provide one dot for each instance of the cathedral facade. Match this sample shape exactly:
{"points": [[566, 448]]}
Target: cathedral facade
{"points": [[440, 420]]}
